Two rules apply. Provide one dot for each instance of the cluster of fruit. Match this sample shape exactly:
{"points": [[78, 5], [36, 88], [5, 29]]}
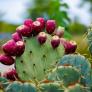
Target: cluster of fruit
{"points": [[36, 49]]}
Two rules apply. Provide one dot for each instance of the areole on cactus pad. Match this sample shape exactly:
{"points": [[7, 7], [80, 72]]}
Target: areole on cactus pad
{"points": [[38, 51]]}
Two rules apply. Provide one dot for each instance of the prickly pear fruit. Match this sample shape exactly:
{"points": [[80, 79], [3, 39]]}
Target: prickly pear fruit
{"points": [[73, 46], [50, 26], [20, 47], [36, 27], [13, 48], [28, 22], [70, 46], [11, 74], [6, 60], [16, 36], [42, 21], [42, 37], [59, 31], [10, 47], [55, 41], [24, 30]]}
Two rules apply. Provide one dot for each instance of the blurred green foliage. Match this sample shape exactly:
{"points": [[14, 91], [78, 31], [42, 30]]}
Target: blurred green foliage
{"points": [[50, 9], [77, 28], [7, 27]]}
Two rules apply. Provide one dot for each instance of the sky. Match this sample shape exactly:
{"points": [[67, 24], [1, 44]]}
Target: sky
{"points": [[15, 9]]}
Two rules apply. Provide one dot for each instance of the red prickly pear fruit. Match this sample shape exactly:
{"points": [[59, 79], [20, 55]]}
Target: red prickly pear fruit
{"points": [[16, 36], [11, 74], [28, 22], [42, 37], [42, 21], [10, 48], [55, 41], [24, 30], [36, 27], [20, 47], [59, 31], [50, 26], [70, 46], [6, 60], [73, 46]]}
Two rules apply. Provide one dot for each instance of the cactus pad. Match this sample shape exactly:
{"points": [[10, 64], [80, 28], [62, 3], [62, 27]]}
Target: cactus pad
{"points": [[78, 61], [51, 87], [65, 75], [77, 88], [37, 59]]}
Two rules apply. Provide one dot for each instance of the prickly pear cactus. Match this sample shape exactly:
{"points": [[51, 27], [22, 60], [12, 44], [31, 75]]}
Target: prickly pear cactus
{"points": [[40, 61], [78, 61], [37, 59], [89, 37], [65, 75], [77, 88], [51, 87], [82, 64]]}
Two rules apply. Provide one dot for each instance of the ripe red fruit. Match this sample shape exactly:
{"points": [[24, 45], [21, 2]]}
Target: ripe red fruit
{"points": [[55, 41], [42, 37], [6, 60], [16, 36], [20, 47], [28, 22], [73, 46], [13, 48], [42, 21], [11, 74], [59, 31], [70, 46], [24, 30], [36, 27], [50, 26], [10, 48]]}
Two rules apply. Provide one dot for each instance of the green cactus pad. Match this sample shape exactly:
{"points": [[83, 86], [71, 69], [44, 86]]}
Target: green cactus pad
{"points": [[67, 75], [37, 59], [4, 82], [77, 88], [51, 87], [20, 87], [27, 87], [89, 38], [78, 61]]}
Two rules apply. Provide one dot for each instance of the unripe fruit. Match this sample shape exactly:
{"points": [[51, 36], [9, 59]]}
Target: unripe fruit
{"points": [[28, 22], [24, 30], [16, 36], [59, 31], [50, 26], [55, 41], [6, 60], [42, 37]]}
